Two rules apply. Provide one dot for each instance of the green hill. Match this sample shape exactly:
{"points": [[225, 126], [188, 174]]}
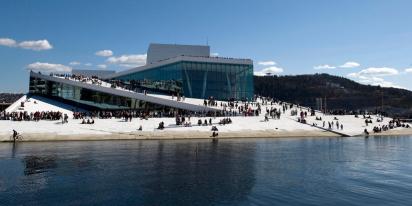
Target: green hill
{"points": [[340, 93]]}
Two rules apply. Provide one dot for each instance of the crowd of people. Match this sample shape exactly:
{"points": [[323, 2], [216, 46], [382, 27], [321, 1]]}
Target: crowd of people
{"points": [[88, 121], [85, 79], [127, 115], [354, 112], [331, 125], [32, 116], [395, 123], [225, 121], [273, 113]]}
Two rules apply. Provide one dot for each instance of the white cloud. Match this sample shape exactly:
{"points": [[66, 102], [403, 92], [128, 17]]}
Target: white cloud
{"points": [[88, 64], [133, 60], [102, 66], [269, 71], [346, 65], [374, 72], [73, 63], [215, 54], [7, 42], [373, 76], [48, 67], [378, 71], [324, 66], [349, 65], [36, 45], [408, 70], [267, 63], [104, 53]]}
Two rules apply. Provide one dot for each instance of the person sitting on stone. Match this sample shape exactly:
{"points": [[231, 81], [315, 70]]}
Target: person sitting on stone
{"points": [[215, 134], [214, 128], [161, 125]]}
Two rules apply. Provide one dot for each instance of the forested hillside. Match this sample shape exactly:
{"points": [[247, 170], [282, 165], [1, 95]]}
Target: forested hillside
{"points": [[340, 93]]}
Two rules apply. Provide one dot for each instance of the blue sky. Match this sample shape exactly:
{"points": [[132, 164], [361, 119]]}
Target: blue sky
{"points": [[368, 41]]}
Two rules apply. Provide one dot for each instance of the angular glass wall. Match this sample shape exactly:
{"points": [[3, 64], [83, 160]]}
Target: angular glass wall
{"points": [[221, 81], [203, 80]]}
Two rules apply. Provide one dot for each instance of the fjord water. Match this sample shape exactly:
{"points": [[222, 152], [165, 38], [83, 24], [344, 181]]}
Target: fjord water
{"points": [[294, 171]]}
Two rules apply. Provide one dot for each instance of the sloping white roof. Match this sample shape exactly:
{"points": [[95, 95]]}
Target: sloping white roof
{"points": [[126, 93]]}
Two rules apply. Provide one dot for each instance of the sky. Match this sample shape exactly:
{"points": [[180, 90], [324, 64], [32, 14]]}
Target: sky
{"points": [[369, 41]]}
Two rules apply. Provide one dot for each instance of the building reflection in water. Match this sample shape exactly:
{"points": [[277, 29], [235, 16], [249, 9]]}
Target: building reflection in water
{"points": [[133, 172], [206, 172], [38, 164]]}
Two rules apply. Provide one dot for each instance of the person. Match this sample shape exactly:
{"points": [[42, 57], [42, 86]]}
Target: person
{"points": [[140, 128], [15, 134], [215, 134], [161, 125], [266, 118], [366, 132], [66, 117], [214, 128]]}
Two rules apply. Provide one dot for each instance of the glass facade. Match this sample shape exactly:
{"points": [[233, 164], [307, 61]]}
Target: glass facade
{"points": [[203, 79], [88, 98]]}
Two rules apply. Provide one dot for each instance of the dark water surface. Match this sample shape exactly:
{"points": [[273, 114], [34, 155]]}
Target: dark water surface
{"points": [[298, 171]]}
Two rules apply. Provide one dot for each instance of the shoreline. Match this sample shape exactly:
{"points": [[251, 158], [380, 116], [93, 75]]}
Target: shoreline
{"points": [[263, 125], [188, 135]]}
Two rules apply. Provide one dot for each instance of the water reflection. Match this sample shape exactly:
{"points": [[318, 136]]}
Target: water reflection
{"points": [[209, 173], [38, 164], [314, 171]]}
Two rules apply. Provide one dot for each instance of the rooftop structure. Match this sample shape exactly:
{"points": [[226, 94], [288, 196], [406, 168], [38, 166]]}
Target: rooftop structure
{"points": [[159, 52]]}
